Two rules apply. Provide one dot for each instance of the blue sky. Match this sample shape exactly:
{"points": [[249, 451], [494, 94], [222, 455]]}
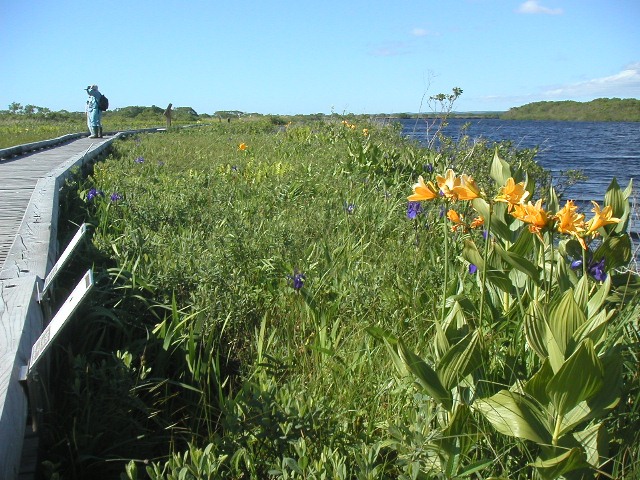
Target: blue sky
{"points": [[287, 57]]}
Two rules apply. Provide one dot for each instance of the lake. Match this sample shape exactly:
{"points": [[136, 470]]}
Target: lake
{"points": [[601, 150]]}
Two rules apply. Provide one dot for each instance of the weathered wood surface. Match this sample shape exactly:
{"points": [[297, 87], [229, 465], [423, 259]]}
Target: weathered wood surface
{"points": [[29, 188]]}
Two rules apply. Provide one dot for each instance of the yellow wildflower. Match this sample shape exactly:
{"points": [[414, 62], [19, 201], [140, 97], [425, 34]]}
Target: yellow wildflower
{"points": [[365, 132], [477, 222], [456, 219], [570, 222], [467, 189], [601, 218], [423, 191], [457, 188], [243, 146], [512, 193], [533, 214]]}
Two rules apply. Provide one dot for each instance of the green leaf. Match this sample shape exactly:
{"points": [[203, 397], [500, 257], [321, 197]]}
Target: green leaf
{"points": [[500, 279], [515, 415], [471, 254], [615, 250], [579, 378], [536, 386], [552, 468], [581, 292], [597, 300], [595, 328], [605, 400], [535, 329], [475, 467], [497, 224], [595, 442], [459, 361], [565, 318], [500, 170], [427, 376], [520, 263]]}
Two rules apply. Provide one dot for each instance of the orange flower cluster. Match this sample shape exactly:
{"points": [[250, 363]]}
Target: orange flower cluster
{"points": [[567, 220]]}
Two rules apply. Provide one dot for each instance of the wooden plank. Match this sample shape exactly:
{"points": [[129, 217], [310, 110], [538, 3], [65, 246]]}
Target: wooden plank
{"points": [[20, 322], [29, 225]]}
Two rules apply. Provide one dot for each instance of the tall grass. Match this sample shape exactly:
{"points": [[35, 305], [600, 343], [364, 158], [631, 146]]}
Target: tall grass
{"points": [[253, 285]]}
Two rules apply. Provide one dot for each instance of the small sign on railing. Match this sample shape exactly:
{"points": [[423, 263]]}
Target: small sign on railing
{"points": [[63, 259], [61, 318]]}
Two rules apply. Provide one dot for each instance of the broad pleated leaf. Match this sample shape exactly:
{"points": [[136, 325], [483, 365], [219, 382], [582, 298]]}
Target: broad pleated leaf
{"points": [[595, 442], [581, 292], [459, 361], [426, 376], [500, 170], [500, 279], [605, 400], [471, 254], [615, 250], [565, 318], [580, 378], [497, 225], [568, 461], [595, 328], [624, 220], [515, 415], [519, 262], [535, 329], [597, 300], [536, 386]]}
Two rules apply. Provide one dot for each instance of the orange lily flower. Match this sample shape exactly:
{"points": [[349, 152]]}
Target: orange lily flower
{"points": [[457, 188], [571, 222], [423, 191], [601, 218], [477, 222], [512, 193], [532, 214], [456, 219], [243, 146]]}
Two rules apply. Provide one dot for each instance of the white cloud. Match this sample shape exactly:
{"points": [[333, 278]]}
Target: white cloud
{"points": [[419, 32], [534, 7], [624, 84]]}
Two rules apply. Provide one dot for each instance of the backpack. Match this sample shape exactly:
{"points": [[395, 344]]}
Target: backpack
{"points": [[103, 103]]}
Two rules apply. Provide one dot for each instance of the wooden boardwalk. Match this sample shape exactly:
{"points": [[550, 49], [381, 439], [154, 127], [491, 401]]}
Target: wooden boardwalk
{"points": [[18, 178], [29, 187]]}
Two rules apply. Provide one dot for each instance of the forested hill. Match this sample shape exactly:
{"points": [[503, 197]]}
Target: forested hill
{"points": [[599, 110]]}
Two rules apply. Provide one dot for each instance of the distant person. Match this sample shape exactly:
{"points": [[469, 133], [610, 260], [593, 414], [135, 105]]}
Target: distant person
{"points": [[167, 115], [94, 114]]}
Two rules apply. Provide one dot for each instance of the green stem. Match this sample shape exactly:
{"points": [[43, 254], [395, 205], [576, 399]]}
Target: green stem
{"points": [[446, 267], [556, 430], [484, 270]]}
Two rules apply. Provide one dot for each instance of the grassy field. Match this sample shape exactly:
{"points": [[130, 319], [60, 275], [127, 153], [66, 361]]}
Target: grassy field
{"points": [[269, 305]]}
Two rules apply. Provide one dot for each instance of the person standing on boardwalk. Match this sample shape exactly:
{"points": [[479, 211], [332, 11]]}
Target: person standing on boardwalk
{"points": [[167, 114], [94, 114]]}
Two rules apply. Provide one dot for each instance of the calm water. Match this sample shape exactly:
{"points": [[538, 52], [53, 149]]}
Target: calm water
{"points": [[602, 150]]}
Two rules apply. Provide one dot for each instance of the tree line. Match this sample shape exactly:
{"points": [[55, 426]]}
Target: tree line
{"points": [[599, 110]]}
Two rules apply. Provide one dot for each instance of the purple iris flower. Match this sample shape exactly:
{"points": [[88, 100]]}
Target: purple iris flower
{"points": [[429, 167], [350, 208], [139, 160], [115, 197], [595, 269], [93, 193], [297, 279], [413, 209], [472, 269]]}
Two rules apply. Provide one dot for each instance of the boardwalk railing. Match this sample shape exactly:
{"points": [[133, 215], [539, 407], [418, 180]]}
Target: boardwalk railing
{"points": [[31, 257]]}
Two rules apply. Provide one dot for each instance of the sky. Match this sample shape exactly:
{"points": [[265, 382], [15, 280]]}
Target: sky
{"points": [[302, 57]]}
